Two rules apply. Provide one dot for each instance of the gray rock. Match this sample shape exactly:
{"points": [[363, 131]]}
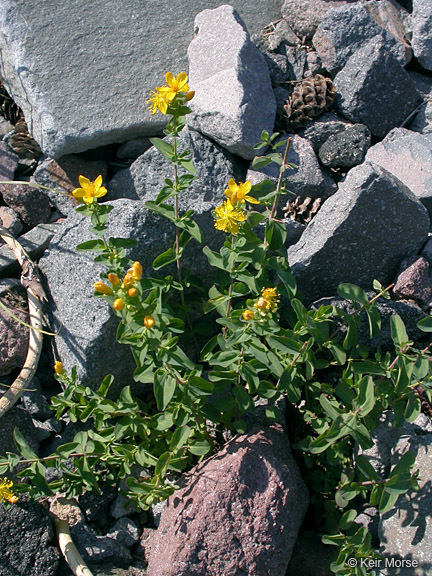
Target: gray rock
{"points": [[322, 128], [5, 127], [238, 513], [43, 430], [309, 179], [97, 549], [8, 162], [343, 242], [124, 531], [427, 250], [13, 334], [233, 100], [297, 58], [35, 402], [375, 90], [346, 148], [304, 16], [89, 89], [345, 30], [31, 204], [421, 36], [413, 282], [422, 121], [132, 149], [406, 530], [28, 543], [62, 175], [281, 34], [422, 83], [34, 243], [9, 219], [17, 418], [157, 510], [399, 152]]}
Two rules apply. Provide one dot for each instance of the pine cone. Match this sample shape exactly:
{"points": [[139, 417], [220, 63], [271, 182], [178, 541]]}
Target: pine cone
{"points": [[8, 108], [22, 143], [302, 210], [309, 99]]}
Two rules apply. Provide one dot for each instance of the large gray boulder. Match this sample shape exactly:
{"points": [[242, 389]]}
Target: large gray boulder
{"points": [[304, 16], [361, 233], [236, 514], [408, 156], [421, 32], [234, 100], [375, 90], [86, 87], [406, 530], [345, 30]]}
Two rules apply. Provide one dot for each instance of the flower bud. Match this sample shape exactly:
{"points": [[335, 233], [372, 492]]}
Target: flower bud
{"points": [[132, 292], [190, 95], [58, 367], [102, 288], [128, 280], [114, 279], [247, 315], [149, 321], [136, 271], [118, 304]]}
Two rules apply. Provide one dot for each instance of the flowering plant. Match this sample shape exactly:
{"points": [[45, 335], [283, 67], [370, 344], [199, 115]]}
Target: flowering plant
{"points": [[264, 344]]}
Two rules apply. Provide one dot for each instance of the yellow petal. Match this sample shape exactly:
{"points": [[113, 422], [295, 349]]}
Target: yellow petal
{"points": [[246, 187], [100, 192], [78, 193], [181, 79], [85, 182], [169, 79], [251, 200], [97, 182]]}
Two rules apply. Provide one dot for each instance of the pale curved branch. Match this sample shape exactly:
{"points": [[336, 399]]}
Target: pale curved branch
{"points": [[69, 550]]}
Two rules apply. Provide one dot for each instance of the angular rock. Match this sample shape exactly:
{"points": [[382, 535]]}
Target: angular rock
{"points": [[423, 119], [343, 242], [413, 282], [132, 149], [399, 152], [406, 530], [9, 219], [8, 162], [17, 418], [31, 204], [13, 334], [375, 90], [322, 128], [89, 90], [304, 16], [63, 175], [237, 514], [35, 402], [233, 100], [346, 148], [421, 32], [124, 531], [309, 179], [281, 34], [345, 30], [28, 543], [97, 549], [395, 19]]}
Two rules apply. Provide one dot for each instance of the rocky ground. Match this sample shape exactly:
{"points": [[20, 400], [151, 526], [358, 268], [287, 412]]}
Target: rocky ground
{"points": [[351, 82]]}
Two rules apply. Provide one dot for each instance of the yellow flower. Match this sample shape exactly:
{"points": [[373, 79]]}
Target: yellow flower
{"points": [[6, 492], [227, 217], [160, 99], [136, 271], [114, 279], [176, 85], [247, 315], [89, 190], [58, 367], [118, 304], [268, 301], [149, 321], [102, 288], [238, 193]]}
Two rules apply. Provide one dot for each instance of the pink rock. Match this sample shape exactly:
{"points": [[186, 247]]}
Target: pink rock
{"points": [[13, 335], [414, 283], [31, 204], [236, 514]]}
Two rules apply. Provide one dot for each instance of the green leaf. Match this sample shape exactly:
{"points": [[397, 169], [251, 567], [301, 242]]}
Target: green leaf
{"points": [[351, 337], [425, 324], [405, 463], [105, 385], [250, 375], [164, 148], [200, 448], [330, 407], [353, 292], [164, 210], [413, 408], [162, 464], [243, 399], [347, 519], [398, 332], [365, 400], [96, 245], [179, 438], [366, 468], [215, 259], [338, 352], [387, 502], [260, 162], [163, 388], [398, 484], [374, 319], [255, 218], [275, 234], [164, 259], [23, 446]]}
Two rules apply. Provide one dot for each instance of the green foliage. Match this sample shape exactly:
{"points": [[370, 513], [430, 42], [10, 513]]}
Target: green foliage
{"points": [[336, 389]]}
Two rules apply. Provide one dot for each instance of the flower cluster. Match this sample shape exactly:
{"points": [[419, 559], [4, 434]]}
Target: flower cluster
{"points": [[267, 302], [89, 190], [124, 290], [6, 492], [229, 214], [163, 96]]}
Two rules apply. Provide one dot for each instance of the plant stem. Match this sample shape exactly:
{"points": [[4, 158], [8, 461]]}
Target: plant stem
{"points": [[279, 183]]}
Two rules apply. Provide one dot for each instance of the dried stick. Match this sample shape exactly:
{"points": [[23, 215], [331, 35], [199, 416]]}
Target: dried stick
{"points": [[69, 550]]}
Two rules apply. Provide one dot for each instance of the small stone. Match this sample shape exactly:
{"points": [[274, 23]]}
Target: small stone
{"points": [[343, 242], [422, 121], [13, 334], [345, 30], [124, 531], [322, 128], [401, 150], [346, 148], [9, 219], [421, 36], [35, 402], [96, 549], [304, 16], [8, 162], [413, 282], [281, 35], [375, 90], [297, 58], [233, 100], [45, 429], [142, 552], [67, 509], [31, 204]]}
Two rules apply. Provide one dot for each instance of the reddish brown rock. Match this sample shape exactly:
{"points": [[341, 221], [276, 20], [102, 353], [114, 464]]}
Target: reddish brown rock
{"points": [[8, 162], [414, 283], [13, 335], [236, 514], [31, 204], [9, 219]]}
